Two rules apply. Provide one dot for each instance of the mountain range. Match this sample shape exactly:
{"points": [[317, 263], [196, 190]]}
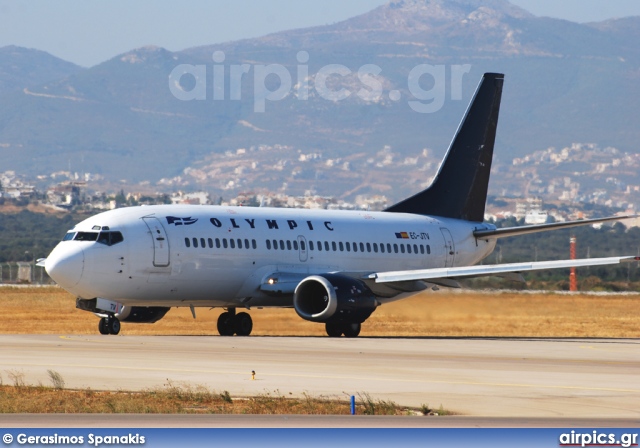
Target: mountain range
{"points": [[565, 82]]}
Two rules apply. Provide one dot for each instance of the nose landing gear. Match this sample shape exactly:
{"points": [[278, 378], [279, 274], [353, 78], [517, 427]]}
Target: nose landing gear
{"points": [[230, 323], [109, 325]]}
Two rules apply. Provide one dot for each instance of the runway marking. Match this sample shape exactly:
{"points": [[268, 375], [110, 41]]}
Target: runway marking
{"points": [[337, 377]]}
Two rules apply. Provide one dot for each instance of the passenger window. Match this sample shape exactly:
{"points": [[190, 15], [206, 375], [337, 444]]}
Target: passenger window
{"points": [[310, 245], [303, 246], [402, 248], [268, 244], [422, 249], [246, 243], [355, 247], [295, 245], [210, 241], [218, 243], [341, 246], [389, 247], [415, 248], [232, 243], [320, 246], [382, 247], [203, 244], [361, 247], [409, 248], [281, 245], [195, 242], [348, 244], [368, 247], [288, 245], [254, 244], [187, 242], [275, 244], [395, 248], [224, 243], [326, 246], [334, 246], [428, 250], [239, 243], [375, 247]]}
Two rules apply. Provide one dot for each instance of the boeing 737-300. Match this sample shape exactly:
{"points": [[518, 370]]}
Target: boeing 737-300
{"points": [[333, 267]]}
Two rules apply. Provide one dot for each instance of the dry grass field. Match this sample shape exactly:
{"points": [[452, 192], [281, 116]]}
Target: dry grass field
{"points": [[20, 399], [51, 310]]}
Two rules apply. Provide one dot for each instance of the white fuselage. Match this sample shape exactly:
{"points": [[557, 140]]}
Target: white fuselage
{"points": [[219, 256]]}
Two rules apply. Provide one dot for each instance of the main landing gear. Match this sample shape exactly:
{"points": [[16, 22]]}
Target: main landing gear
{"points": [[109, 325], [335, 330], [230, 323]]}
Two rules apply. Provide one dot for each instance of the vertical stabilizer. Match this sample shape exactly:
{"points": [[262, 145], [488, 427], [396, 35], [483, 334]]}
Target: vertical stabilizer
{"points": [[459, 189]]}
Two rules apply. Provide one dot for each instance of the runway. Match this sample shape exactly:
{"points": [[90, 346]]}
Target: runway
{"points": [[481, 377]]}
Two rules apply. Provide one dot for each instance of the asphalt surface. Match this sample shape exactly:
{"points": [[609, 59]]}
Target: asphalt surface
{"points": [[570, 379]]}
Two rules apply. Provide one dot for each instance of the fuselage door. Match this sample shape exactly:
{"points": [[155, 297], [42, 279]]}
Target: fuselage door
{"points": [[304, 250], [449, 247], [160, 242]]}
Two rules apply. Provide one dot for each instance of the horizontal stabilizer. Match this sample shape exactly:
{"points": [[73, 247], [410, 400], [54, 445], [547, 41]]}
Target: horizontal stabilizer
{"points": [[523, 230]]}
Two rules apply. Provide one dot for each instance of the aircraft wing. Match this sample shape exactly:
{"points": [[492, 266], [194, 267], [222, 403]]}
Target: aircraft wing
{"points": [[488, 270]]}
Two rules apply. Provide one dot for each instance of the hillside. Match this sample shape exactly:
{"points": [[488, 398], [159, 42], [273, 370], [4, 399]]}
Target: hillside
{"points": [[565, 83], [22, 68]]}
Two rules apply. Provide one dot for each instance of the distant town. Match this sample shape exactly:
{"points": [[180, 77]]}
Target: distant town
{"points": [[579, 181]]}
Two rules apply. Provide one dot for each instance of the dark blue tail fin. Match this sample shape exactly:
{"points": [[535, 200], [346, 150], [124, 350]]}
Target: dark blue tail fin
{"points": [[459, 189]]}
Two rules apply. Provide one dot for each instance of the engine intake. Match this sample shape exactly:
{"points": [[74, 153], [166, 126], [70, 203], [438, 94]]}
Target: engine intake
{"points": [[332, 298]]}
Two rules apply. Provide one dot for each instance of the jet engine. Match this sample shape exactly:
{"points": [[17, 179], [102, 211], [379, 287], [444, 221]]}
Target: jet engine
{"points": [[334, 298]]}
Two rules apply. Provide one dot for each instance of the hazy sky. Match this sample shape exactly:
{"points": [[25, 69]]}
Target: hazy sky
{"points": [[88, 32]]}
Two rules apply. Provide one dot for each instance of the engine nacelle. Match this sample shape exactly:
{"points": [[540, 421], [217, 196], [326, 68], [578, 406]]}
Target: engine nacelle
{"points": [[136, 314], [330, 298]]}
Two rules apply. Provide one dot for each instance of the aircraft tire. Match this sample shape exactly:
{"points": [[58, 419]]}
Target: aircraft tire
{"points": [[102, 326], [113, 325], [333, 330], [243, 324], [351, 330], [225, 324]]}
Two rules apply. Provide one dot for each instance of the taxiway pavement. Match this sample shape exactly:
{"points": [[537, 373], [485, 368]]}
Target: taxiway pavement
{"points": [[491, 377]]}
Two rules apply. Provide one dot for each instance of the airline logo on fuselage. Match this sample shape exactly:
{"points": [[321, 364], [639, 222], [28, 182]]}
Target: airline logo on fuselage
{"points": [[181, 221], [273, 224]]}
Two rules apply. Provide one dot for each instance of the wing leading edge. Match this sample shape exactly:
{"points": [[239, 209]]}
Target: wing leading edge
{"points": [[488, 270]]}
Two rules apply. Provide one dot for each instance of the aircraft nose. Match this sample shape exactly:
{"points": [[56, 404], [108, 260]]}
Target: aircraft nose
{"points": [[65, 265]]}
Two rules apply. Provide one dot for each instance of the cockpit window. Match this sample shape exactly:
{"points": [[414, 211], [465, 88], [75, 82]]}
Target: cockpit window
{"points": [[86, 236], [110, 238], [107, 238], [69, 236]]}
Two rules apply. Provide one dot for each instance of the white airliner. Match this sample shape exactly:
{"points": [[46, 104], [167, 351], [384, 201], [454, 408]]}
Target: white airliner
{"points": [[333, 267]]}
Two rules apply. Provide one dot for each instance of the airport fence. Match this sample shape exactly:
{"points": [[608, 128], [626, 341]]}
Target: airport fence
{"points": [[24, 272]]}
